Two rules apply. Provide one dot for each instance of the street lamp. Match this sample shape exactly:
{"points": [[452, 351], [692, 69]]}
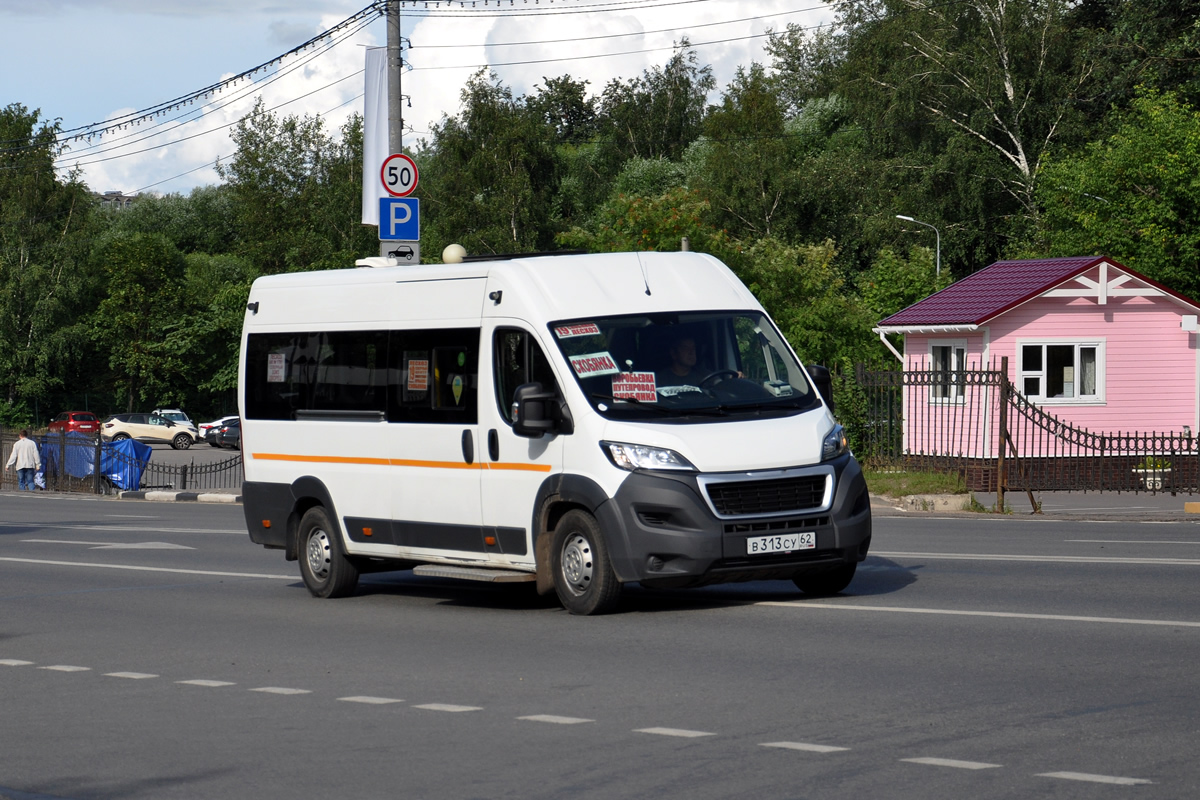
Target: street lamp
{"points": [[936, 233]]}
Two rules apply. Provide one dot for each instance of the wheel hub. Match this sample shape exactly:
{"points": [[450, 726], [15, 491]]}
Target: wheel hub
{"points": [[577, 563], [318, 554]]}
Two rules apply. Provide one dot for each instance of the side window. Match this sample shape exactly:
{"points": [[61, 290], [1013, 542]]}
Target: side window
{"points": [[337, 371], [948, 362], [434, 376], [518, 359]]}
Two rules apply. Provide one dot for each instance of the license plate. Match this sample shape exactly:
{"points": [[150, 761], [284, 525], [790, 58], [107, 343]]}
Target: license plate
{"points": [[783, 543]]}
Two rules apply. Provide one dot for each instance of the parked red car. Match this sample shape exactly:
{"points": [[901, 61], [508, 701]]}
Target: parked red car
{"points": [[79, 421]]}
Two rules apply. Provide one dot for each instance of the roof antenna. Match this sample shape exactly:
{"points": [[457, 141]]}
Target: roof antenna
{"points": [[645, 280]]}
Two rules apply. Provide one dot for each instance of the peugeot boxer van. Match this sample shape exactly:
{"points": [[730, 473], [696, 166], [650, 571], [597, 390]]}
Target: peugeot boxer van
{"points": [[578, 421]]}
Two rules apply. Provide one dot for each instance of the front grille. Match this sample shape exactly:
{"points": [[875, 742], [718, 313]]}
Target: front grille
{"points": [[773, 496]]}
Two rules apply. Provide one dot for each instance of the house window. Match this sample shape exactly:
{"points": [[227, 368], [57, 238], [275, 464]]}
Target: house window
{"points": [[948, 362], [1062, 371]]}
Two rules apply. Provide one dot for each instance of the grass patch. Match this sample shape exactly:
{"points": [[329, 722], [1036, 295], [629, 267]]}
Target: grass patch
{"points": [[898, 484]]}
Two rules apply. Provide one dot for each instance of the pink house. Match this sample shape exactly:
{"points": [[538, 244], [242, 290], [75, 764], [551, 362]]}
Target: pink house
{"points": [[1088, 341]]}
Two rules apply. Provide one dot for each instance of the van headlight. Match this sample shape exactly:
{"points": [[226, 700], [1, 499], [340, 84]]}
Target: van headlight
{"points": [[640, 456], [835, 443]]}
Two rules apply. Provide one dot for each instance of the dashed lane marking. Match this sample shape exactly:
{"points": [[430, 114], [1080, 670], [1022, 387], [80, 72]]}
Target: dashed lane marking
{"points": [[1188, 562], [374, 701], [66, 668], [203, 682], [1083, 776], [139, 568], [810, 748], [680, 732], [951, 762], [805, 604], [135, 676], [551, 718], [280, 690], [130, 528], [447, 707], [14, 662]]}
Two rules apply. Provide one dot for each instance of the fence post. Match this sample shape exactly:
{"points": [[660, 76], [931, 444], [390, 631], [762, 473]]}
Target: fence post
{"points": [[96, 482], [1001, 478], [183, 471]]}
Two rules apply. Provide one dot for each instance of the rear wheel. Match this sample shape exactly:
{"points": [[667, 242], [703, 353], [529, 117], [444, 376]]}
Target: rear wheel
{"points": [[181, 441], [583, 577], [827, 582], [323, 564], [120, 437]]}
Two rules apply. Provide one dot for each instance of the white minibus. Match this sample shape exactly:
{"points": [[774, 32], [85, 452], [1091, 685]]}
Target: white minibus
{"points": [[578, 421]]}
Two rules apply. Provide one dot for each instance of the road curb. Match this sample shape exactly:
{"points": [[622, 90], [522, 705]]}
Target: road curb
{"points": [[180, 497]]}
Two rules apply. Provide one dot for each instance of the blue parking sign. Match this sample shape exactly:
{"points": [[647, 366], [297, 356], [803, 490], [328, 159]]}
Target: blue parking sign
{"points": [[399, 219]]}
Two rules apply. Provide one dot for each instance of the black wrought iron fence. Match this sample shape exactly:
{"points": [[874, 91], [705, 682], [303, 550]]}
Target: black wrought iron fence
{"points": [[975, 423], [73, 462]]}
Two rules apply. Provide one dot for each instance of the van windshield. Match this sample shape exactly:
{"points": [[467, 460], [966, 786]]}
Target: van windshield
{"points": [[685, 365]]}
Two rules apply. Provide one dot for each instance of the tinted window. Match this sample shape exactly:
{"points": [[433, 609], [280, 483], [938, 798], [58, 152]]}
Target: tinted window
{"points": [[518, 359]]}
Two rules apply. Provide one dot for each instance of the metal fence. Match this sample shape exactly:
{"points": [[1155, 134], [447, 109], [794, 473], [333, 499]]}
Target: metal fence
{"points": [[975, 423], [69, 464]]}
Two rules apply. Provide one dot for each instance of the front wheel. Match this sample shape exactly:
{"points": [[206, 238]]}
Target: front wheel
{"points": [[583, 577], [827, 582], [181, 442], [323, 564]]}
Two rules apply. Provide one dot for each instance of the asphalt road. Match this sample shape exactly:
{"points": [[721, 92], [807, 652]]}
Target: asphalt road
{"points": [[150, 651]]}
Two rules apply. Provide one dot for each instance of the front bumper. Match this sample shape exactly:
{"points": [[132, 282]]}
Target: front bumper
{"points": [[664, 529]]}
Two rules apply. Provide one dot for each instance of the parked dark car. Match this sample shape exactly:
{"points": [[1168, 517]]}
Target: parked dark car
{"points": [[76, 421], [231, 435]]}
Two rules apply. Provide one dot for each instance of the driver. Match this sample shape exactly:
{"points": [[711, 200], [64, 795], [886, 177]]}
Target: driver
{"points": [[684, 370]]}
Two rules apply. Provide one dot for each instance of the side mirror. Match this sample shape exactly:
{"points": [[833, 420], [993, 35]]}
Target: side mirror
{"points": [[824, 383], [536, 412]]}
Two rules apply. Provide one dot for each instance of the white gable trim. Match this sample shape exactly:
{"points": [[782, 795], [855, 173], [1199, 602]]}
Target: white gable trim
{"points": [[1106, 287], [932, 330]]}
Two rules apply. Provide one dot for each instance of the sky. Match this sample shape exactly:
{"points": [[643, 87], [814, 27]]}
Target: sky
{"points": [[87, 61]]}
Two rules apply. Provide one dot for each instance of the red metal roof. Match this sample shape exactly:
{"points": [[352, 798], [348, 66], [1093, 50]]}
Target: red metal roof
{"points": [[999, 287]]}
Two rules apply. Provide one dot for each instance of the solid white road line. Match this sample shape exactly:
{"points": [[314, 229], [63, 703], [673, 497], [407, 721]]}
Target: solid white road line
{"points": [[1187, 562], [446, 707], [950, 762], [1083, 776], [66, 668], [556, 720], [150, 569], [1001, 614], [136, 676], [14, 662], [1128, 541], [279, 690], [810, 748], [374, 701], [133, 528], [674, 732], [203, 682], [115, 545]]}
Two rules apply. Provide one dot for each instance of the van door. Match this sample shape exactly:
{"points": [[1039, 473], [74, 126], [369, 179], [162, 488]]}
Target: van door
{"points": [[434, 450], [514, 467]]}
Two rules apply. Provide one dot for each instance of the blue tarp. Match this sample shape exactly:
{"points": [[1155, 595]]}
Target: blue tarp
{"points": [[121, 462]]}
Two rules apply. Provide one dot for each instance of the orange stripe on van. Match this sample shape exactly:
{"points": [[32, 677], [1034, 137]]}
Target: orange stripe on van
{"points": [[401, 462]]}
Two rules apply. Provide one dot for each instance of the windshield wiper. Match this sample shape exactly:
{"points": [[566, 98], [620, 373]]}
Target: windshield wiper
{"points": [[633, 400]]}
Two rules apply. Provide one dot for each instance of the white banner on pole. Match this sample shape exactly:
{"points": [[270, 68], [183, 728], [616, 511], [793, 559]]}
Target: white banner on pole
{"points": [[375, 132]]}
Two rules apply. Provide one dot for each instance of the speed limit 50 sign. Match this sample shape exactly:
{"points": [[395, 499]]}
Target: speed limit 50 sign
{"points": [[399, 175]]}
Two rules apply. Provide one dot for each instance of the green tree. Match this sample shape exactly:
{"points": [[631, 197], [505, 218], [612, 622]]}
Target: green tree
{"points": [[45, 226], [202, 221], [1134, 196], [489, 174], [144, 279]]}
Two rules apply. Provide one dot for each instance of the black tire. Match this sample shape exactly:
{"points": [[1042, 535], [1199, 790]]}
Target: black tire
{"points": [[827, 582], [323, 563], [214, 444], [120, 437], [181, 441], [583, 576]]}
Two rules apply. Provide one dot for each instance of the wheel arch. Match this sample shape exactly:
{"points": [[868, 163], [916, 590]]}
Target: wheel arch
{"points": [[565, 492], [308, 492]]}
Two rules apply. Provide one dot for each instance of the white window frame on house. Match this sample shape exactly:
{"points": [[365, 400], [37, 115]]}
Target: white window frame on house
{"points": [[953, 354], [1070, 381]]}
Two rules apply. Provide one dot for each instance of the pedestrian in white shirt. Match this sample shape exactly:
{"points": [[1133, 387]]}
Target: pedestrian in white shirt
{"points": [[27, 460]]}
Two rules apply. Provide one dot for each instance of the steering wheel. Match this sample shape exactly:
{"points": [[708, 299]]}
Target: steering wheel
{"points": [[716, 377]]}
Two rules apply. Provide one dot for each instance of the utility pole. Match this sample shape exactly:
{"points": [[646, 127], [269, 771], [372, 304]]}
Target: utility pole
{"points": [[395, 62]]}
